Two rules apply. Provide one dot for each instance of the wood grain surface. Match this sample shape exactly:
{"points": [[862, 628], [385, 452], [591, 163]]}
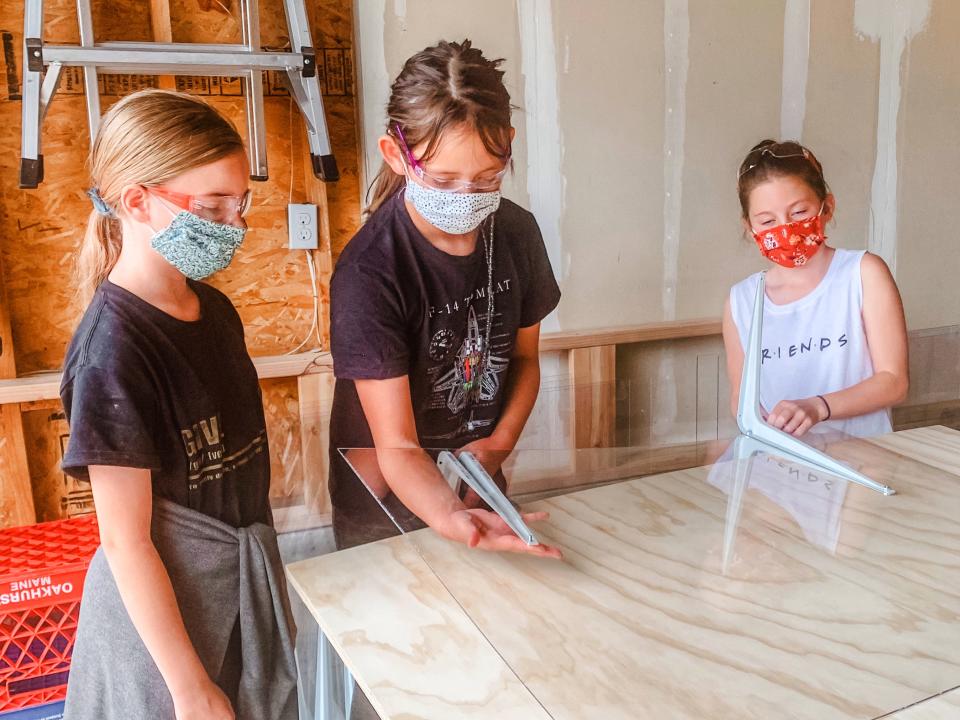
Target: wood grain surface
{"points": [[644, 619]]}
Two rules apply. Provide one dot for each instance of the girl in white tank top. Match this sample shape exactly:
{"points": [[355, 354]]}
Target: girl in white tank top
{"points": [[834, 338]]}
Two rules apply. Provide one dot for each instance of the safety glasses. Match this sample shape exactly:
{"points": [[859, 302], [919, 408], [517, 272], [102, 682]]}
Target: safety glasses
{"points": [[483, 184], [216, 208]]}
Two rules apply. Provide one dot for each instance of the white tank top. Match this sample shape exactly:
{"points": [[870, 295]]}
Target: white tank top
{"points": [[815, 345]]}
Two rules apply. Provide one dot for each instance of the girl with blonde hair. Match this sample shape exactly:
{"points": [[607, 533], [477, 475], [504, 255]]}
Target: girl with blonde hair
{"points": [[184, 613]]}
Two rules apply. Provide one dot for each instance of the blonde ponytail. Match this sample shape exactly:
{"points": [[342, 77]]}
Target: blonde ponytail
{"points": [[99, 252]]}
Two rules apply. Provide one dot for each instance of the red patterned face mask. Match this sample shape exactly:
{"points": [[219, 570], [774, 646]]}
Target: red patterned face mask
{"points": [[792, 244]]}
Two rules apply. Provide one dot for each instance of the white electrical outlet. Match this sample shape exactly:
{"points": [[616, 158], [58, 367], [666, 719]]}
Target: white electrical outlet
{"points": [[302, 226]]}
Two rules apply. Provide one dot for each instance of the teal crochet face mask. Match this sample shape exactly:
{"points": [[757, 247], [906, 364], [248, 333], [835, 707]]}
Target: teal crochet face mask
{"points": [[197, 247]]}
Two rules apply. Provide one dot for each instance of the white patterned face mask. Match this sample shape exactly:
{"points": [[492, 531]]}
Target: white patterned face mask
{"points": [[453, 212]]}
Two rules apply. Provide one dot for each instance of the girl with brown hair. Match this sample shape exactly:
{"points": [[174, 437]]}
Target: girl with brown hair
{"points": [[834, 335], [436, 306]]}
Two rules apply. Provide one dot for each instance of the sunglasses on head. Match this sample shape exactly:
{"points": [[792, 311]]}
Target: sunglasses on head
{"points": [[780, 151]]}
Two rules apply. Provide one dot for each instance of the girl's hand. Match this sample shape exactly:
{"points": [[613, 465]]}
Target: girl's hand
{"points": [[797, 416], [487, 531], [207, 702]]}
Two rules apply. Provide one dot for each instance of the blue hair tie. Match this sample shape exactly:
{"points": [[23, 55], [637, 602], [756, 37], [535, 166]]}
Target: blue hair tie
{"points": [[99, 204]]}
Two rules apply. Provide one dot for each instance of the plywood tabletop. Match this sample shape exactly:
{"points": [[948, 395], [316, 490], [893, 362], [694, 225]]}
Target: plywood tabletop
{"points": [[673, 600]]}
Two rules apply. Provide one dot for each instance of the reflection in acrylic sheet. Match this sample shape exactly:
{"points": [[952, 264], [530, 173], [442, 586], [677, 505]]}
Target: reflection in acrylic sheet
{"points": [[813, 498]]}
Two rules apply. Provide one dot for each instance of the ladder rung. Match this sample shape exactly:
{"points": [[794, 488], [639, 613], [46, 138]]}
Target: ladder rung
{"points": [[174, 46], [197, 60]]}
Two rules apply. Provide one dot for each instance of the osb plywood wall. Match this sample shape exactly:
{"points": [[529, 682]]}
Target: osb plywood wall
{"points": [[269, 284]]}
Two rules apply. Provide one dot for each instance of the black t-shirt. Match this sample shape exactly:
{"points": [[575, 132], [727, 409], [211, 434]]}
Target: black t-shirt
{"points": [[401, 306], [142, 389]]}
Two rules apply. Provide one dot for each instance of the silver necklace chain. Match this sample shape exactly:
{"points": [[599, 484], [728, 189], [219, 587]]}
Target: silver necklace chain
{"points": [[485, 352]]}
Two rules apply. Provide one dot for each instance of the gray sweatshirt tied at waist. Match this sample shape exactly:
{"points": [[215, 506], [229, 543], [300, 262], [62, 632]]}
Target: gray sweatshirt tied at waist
{"points": [[219, 573]]}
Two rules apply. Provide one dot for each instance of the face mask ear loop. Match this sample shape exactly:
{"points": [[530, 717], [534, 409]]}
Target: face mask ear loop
{"points": [[166, 207]]}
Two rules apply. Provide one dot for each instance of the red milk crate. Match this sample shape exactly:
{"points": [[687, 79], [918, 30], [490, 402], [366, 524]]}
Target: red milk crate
{"points": [[42, 568]]}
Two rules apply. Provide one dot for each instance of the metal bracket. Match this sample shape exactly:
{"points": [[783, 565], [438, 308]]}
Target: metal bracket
{"points": [[472, 472], [753, 425], [34, 47], [309, 62]]}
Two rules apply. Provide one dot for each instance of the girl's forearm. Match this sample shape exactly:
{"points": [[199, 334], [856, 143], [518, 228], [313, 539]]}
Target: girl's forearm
{"points": [[148, 596], [415, 480], [880, 391], [523, 387]]}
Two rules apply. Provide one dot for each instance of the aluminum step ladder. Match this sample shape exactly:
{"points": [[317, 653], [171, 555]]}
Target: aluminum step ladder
{"points": [[43, 65]]}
